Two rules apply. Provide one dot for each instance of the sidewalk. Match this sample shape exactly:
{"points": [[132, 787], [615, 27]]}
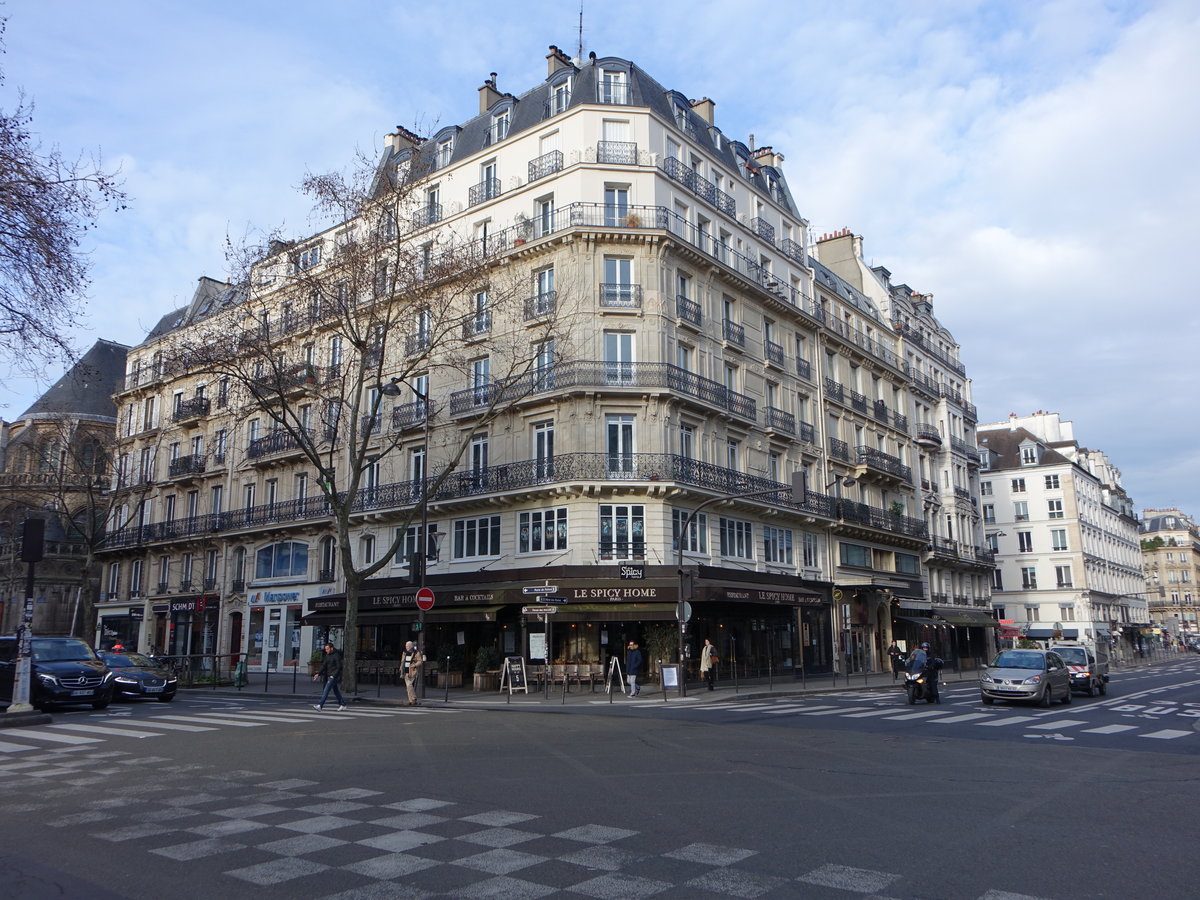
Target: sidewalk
{"points": [[304, 689]]}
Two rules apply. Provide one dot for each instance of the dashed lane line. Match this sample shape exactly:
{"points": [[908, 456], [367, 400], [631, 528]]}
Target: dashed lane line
{"points": [[1167, 734], [1010, 720], [214, 719], [1109, 729], [39, 735], [1058, 723], [101, 729]]}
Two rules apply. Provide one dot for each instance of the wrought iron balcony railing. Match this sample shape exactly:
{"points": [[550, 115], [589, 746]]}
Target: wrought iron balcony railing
{"points": [[488, 189], [191, 409], [834, 390], [617, 153], [621, 296], [804, 368], [882, 462], [734, 332], [839, 449], [774, 352], [279, 442], [546, 164], [780, 420], [689, 311], [602, 374], [192, 464], [763, 229], [700, 186]]}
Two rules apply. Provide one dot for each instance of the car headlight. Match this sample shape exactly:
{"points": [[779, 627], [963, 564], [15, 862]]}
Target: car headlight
{"points": [[172, 680], [48, 680], [1032, 679], [108, 676], [125, 679], [986, 678]]}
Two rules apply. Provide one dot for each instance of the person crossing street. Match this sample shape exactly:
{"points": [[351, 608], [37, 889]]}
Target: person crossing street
{"points": [[331, 668]]}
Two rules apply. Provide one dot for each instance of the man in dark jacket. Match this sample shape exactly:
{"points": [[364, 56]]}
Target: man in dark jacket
{"points": [[331, 668], [633, 665]]}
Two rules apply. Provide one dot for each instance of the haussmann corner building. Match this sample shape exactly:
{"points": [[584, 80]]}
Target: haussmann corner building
{"points": [[709, 355]]}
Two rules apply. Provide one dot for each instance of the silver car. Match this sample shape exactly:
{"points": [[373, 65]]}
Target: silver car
{"points": [[1037, 676]]}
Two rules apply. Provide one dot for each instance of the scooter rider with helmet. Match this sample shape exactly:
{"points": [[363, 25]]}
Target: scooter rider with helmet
{"points": [[923, 661]]}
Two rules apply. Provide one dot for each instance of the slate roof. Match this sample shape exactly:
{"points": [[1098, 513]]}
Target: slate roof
{"points": [[844, 289], [1005, 445], [86, 390]]}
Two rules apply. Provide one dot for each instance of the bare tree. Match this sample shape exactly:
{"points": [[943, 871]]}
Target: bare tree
{"points": [[47, 203], [386, 302]]}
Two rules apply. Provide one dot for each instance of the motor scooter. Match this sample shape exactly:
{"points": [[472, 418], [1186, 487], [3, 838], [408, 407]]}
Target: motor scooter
{"points": [[923, 685]]}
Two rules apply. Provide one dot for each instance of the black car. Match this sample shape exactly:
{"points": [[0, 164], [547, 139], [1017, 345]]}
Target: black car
{"points": [[137, 675], [62, 670]]}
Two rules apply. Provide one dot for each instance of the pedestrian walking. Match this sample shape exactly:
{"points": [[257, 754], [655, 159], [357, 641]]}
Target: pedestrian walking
{"points": [[708, 663], [633, 665], [410, 667], [331, 668], [897, 657]]}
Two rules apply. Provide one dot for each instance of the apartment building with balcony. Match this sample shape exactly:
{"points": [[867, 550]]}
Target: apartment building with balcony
{"points": [[1170, 542], [1064, 533], [52, 466], [941, 418], [701, 354]]}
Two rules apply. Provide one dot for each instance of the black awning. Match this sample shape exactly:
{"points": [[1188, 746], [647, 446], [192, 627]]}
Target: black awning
{"points": [[968, 618], [919, 620], [1046, 634]]}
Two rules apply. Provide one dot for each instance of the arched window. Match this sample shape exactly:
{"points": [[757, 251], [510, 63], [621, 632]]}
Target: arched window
{"points": [[287, 559]]}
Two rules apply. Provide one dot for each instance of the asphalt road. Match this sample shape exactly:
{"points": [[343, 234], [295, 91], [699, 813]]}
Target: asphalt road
{"points": [[266, 798]]}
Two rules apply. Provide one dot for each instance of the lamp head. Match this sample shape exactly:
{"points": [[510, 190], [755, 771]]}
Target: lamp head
{"points": [[391, 389]]}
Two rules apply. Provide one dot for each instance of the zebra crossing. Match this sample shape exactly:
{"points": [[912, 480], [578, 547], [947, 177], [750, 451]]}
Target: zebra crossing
{"points": [[1150, 715], [121, 724]]}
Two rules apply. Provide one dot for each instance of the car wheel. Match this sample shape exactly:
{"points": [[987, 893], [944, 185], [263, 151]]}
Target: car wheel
{"points": [[100, 704], [1103, 688], [912, 697], [1092, 689], [987, 701], [1044, 700]]}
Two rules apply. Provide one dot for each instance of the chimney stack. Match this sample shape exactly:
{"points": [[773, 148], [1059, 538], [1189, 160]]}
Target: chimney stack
{"points": [[557, 59], [705, 109], [488, 95], [767, 156], [402, 139]]}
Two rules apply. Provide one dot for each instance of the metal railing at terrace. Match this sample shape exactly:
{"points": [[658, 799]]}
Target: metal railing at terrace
{"points": [[193, 464], [689, 311], [605, 374], [409, 414], [621, 296], [964, 448], [488, 189], [699, 185], [763, 229], [912, 335], [191, 409], [793, 251], [279, 442]]}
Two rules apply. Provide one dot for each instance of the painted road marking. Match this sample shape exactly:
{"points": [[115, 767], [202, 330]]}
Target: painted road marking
{"points": [[116, 732], [1110, 729], [1167, 734], [1059, 723]]}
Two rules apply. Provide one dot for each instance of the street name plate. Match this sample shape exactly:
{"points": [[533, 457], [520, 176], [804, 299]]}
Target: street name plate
{"points": [[538, 610], [540, 589]]}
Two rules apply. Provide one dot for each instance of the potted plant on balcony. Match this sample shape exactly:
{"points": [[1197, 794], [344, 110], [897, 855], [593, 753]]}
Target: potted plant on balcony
{"points": [[487, 669], [633, 220], [524, 230]]}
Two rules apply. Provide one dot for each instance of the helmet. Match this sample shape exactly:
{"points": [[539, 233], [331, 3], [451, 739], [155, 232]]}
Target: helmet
{"points": [[925, 645]]}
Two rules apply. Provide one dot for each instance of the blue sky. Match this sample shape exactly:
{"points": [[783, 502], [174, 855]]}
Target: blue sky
{"points": [[1032, 164]]}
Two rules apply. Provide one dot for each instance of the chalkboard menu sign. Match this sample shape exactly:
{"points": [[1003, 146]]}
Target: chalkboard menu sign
{"points": [[514, 675]]}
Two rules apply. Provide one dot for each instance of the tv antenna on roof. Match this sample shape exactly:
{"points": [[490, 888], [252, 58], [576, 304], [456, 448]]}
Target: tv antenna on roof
{"points": [[580, 56]]}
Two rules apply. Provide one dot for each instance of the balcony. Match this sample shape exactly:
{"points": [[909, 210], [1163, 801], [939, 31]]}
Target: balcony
{"points": [[191, 410], [808, 433], [326, 576], [794, 251], [700, 186], [540, 305], [286, 382], [617, 153], [858, 402], [621, 296], [927, 436], [834, 390], [778, 420], [614, 93], [594, 374], [689, 311], [417, 344], [733, 332], [971, 453], [944, 547], [429, 214], [880, 410], [369, 425], [774, 353], [804, 368], [546, 164], [763, 229], [839, 450], [281, 442], [186, 466], [488, 189], [880, 463], [410, 414]]}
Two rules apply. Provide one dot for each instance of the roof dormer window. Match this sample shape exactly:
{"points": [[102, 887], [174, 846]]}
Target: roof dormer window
{"points": [[308, 257], [501, 119], [1029, 454], [560, 97], [613, 87]]}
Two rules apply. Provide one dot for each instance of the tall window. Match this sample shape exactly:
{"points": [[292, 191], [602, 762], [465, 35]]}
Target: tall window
{"points": [[1058, 538], [481, 379], [1021, 511], [622, 531], [616, 205], [1062, 576], [985, 488], [114, 579], [696, 539], [619, 443], [687, 441], [1029, 579], [543, 449], [1052, 483], [500, 123], [811, 550], [1018, 485], [545, 216], [737, 538], [543, 529], [777, 545], [618, 281], [613, 87], [618, 357], [544, 365], [479, 460], [135, 578], [1025, 541], [1054, 508]]}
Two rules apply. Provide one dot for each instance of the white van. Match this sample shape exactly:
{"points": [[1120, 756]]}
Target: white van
{"points": [[1088, 664]]}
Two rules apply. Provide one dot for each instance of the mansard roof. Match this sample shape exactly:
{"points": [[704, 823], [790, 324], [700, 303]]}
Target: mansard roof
{"points": [[86, 390]]}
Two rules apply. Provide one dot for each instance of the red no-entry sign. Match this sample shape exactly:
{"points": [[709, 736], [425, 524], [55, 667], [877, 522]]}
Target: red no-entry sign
{"points": [[425, 598]]}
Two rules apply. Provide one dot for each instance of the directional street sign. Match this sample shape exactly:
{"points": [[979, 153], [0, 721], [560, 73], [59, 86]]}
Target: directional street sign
{"points": [[539, 589], [538, 610], [553, 600]]}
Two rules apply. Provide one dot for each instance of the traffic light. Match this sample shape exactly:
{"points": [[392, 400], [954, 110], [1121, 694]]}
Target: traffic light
{"points": [[33, 540], [416, 568]]}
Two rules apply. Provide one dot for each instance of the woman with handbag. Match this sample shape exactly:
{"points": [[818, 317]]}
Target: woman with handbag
{"points": [[708, 663]]}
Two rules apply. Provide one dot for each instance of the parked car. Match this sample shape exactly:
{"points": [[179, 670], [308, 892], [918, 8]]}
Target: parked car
{"points": [[1036, 676], [62, 670], [137, 675]]}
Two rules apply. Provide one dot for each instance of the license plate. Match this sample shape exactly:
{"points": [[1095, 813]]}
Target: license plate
{"points": [[81, 693], [153, 690]]}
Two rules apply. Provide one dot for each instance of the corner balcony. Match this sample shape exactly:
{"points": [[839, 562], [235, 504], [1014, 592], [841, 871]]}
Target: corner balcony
{"points": [[603, 375], [617, 153], [927, 436], [621, 296], [875, 465]]}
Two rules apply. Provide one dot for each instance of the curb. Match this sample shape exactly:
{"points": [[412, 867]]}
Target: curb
{"points": [[24, 719]]}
